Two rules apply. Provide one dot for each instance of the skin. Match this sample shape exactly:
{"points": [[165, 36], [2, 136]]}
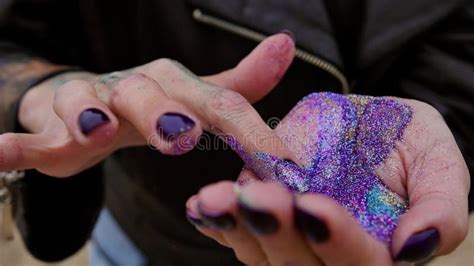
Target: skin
{"points": [[426, 168], [50, 111], [221, 103]]}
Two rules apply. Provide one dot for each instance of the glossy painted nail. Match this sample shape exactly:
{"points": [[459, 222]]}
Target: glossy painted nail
{"points": [[259, 221], [419, 246], [171, 125], [289, 33], [91, 119], [219, 221], [311, 226]]}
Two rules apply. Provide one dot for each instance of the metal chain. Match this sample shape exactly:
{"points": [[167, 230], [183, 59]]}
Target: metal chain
{"points": [[6, 219]]}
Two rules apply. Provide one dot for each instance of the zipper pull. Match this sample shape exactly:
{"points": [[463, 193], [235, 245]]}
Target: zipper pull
{"points": [[6, 218]]}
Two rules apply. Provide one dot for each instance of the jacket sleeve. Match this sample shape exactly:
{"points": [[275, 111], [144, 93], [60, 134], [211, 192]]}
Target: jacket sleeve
{"points": [[29, 43], [54, 216], [441, 72]]}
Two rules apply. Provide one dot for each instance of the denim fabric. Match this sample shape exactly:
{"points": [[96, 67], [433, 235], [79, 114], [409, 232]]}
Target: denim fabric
{"points": [[111, 246]]}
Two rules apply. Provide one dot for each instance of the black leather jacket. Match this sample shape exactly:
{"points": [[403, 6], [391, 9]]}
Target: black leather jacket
{"points": [[418, 49]]}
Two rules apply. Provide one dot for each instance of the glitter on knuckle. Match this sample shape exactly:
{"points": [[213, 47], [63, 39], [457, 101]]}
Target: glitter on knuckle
{"points": [[225, 105]]}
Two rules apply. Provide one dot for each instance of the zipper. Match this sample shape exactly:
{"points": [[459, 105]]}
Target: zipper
{"points": [[303, 55]]}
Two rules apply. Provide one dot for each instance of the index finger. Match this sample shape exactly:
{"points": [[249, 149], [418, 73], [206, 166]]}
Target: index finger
{"points": [[228, 115], [231, 117]]}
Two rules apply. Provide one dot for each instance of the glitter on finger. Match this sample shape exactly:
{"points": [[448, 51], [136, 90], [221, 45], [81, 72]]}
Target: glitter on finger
{"points": [[344, 138]]}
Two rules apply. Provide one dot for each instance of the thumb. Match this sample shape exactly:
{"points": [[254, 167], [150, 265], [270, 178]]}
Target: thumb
{"points": [[258, 73]]}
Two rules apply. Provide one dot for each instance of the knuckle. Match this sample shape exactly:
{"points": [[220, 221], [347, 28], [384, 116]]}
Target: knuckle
{"points": [[165, 64], [70, 88], [76, 83], [225, 105], [129, 83], [68, 92], [171, 69], [133, 80]]}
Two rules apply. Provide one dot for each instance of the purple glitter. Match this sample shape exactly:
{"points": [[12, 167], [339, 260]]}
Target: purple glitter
{"points": [[345, 139]]}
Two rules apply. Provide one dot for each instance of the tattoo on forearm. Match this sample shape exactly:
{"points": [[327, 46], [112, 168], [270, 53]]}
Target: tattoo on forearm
{"points": [[17, 73]]}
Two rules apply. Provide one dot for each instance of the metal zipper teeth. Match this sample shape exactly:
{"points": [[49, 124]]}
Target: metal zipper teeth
{"points": [[258, 37]]}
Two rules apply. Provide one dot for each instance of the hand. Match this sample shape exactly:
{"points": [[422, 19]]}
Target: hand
{"points": [[76, 120], [265, 224]]}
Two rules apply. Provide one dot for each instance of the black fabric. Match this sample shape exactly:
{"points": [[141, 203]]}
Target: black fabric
{"points": [[56, 216], [418, 49], [173, 239], [347, 31], [307, 20]]}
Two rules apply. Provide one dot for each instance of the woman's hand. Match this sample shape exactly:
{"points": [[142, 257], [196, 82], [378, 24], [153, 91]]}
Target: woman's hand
{"points": [[78, 119], [265, 224]]}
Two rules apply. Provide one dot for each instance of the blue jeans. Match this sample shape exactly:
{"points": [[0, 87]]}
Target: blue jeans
{"points": [[111, 246]]}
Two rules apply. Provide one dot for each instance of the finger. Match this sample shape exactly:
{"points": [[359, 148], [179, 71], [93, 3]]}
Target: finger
{"points": [[258, 73], [437, 185], [246, 177], [334, 235], [218, 207], [225, 113], [229, 115], [193, 216], [166, 124], [87, 118], [267, 210], [23, 151]]}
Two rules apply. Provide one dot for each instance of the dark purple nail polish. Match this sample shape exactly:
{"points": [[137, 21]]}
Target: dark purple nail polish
{"points": [[311, 226], [260, 222], [219, 221], [419, 246], [91, 119], [171, 125], [289, 33], [194, 220]]}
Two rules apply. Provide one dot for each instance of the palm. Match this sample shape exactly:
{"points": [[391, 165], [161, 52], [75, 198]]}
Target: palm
{"points": [[369, 154]]}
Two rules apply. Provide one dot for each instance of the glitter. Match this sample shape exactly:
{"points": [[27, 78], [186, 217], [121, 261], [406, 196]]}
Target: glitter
{"points": [[344, 139]]}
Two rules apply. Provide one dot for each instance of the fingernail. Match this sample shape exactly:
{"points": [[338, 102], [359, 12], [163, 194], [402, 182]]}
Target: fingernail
{"points": [[194, 220], [219, 221], [419, 246], [91, 119], [291, 175], [289, 33], [259, 221], [171, 125], [312, 227]]}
